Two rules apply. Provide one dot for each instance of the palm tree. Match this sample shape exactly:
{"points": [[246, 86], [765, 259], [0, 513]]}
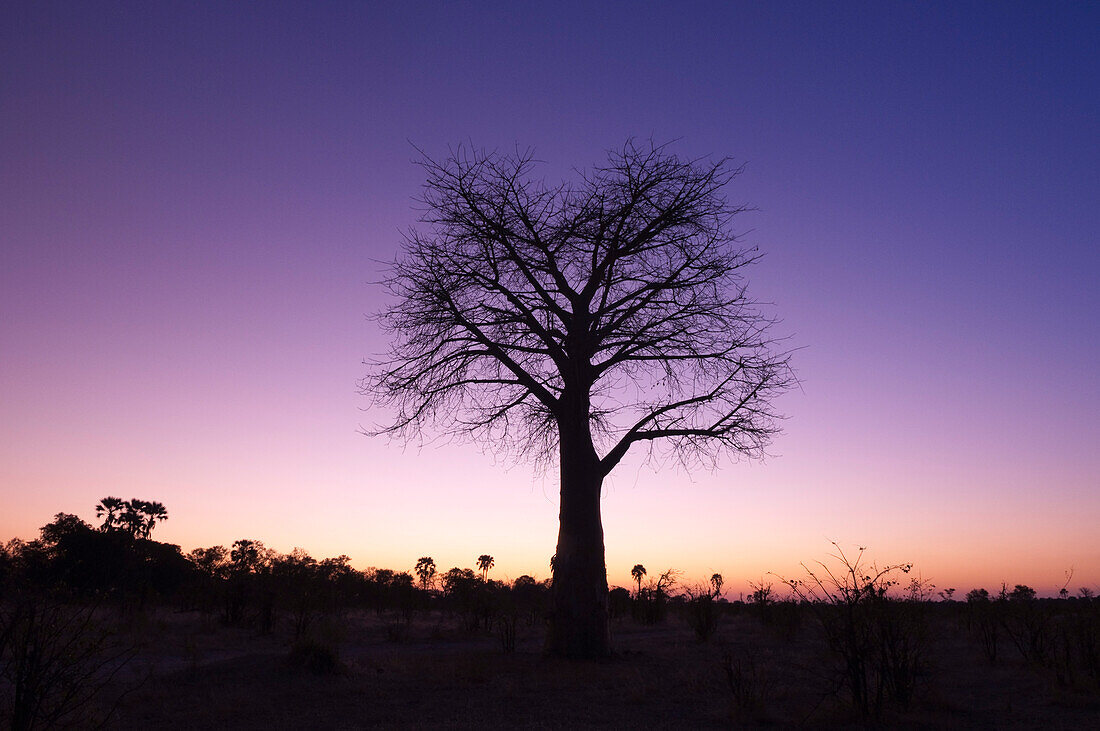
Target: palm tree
{"points": [[153, 511], [131, 519], [109, 509], [246, 555], [638, 572], [716, 583], [484, 562], [425, 570]]}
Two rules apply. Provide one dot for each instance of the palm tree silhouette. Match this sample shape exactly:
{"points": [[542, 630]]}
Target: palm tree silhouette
{"points": [[716, 583], [425, 570], [131, 519], [136, 517], [246, 555], [153, 511], [638, 572], [484, 562], [109, 509]]}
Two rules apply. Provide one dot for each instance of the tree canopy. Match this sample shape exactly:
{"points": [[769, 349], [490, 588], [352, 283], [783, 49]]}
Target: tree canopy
{"points": [[626, 283], [575, 321]]}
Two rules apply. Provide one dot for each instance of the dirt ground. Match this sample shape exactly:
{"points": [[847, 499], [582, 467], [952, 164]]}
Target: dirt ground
{"points": [[193, 673]]}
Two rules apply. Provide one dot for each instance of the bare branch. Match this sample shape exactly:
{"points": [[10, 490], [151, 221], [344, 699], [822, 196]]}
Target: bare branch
{"points": [[615, 304]]}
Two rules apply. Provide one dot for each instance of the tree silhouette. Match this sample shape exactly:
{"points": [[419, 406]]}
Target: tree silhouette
{"points": [[716, 583], [573, 322], [638, 572], [210, 562], [131, 520], [109, 508], [63, 525], [246, 555], [485, 562], [425, 571], [135, 517], [152, 511]]}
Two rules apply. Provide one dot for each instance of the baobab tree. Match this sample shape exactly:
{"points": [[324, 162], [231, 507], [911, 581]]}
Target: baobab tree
{"points": [[570, 323]]}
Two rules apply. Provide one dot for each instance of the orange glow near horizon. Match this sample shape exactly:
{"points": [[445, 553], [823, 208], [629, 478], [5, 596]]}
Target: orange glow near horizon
{"points": [[748, 522]]}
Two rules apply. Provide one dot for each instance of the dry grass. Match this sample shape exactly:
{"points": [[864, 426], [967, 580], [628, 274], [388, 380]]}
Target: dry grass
{"points": [[437, 675]]}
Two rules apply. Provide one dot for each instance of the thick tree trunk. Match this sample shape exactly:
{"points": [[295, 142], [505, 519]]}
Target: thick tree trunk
{"points": [[579, 619]]}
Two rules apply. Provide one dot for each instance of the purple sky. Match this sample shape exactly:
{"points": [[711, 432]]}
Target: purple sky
{"points": [[194, 198]]}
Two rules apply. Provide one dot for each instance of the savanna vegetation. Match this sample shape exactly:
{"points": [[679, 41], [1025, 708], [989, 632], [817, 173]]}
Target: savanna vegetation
{"points": [[103, 625]]}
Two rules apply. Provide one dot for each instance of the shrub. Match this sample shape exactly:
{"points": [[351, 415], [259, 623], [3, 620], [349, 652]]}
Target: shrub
{"points": [[879, 641], [1071, 642], [506, 630], [702, 611], [56, 661], [1083, 634], [783, 618], [1027, 624], [983, 620], [618, 602], [397, 632], [318, 648], [316, 657], [747, 681], [651, 602]]}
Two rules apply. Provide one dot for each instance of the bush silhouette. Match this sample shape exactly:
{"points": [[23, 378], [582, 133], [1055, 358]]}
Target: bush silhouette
{"points": [[879, 641]]}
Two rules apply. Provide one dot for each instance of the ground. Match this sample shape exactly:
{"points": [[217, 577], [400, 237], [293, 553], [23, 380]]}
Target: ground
{"points": [[194, 673]]}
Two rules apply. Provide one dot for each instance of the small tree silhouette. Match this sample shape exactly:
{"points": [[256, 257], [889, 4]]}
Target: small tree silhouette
{"points": [[761, 594], [246, 555], [878, 641], [484, 563], [716, 583], [638, 572], [1063, 593], [1022, 593], [425, 571]]}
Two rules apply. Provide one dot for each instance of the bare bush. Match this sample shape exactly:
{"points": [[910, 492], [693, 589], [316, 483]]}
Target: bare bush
{"points": [[702, 610], [1026, 624], [984, 622], [317, 648], [748, 683], [506, 630], [651, 603], [879, 640], [57, 661]]}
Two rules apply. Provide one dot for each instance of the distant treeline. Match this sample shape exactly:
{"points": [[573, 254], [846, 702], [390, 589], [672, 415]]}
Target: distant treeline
{"points": [[876, 623], [119, 564]]}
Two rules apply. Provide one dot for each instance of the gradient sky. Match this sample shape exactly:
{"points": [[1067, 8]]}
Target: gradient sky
{"points": [[194, 199]]}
